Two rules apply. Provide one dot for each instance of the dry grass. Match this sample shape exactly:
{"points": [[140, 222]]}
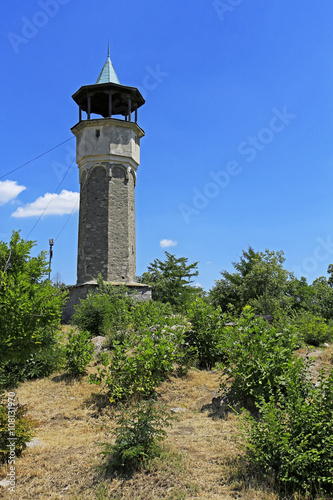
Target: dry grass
{"points": [[199, 461]]}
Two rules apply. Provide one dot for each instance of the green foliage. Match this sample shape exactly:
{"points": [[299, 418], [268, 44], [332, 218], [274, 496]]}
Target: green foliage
{"points": [[138, 435], [259, 357], [151, 314], [293, 439], [39, 364], [136, 368], [111, 312], [78, 351], [312, 329], [207, 333], [322, 298], [29, 307], [105, 311], [23, 430], [330, 272], [171, 280], [259, 281]]}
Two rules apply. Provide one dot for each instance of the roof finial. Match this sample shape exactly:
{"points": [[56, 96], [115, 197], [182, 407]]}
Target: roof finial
{"points": [[108, 74]]}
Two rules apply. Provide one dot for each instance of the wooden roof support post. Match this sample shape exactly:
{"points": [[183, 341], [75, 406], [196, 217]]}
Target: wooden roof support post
{"points": [[88, 106], [129, 108], [110, 105]]}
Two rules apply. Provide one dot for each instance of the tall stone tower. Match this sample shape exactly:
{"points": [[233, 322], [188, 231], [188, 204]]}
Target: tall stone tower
{"points": [[108, 155]]}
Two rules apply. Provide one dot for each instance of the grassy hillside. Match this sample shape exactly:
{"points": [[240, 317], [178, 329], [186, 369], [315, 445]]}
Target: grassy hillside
{"points": [[202, 456]]}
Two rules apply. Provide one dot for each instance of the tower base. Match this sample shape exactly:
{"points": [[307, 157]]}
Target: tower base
{"points": [[139, 291]]}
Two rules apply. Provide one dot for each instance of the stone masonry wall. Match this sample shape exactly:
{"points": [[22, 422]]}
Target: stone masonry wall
{"points": [[93, 226], [121, 252], [108, 153]]}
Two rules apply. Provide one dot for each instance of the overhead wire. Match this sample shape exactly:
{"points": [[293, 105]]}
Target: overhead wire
{"points": [[54, 194], [36, 158], [70, 215]]}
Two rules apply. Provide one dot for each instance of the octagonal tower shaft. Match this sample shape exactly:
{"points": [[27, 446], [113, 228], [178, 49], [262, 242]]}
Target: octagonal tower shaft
{"points": [[108, 155]]}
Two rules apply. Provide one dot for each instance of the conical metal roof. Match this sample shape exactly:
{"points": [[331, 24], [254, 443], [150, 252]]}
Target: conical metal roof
{"points": [[108, 73]]}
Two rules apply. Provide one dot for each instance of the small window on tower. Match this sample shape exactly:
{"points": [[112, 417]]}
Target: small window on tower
{"points": [[98, 133]]}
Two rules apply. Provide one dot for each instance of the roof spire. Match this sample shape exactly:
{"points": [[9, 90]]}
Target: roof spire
{"points": [[108, 73]]}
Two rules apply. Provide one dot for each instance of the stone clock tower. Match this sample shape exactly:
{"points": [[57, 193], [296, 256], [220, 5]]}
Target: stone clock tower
{"points": [[108, 155]]}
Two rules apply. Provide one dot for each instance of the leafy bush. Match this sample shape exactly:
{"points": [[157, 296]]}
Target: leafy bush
{"points": [[78, 352], [259, 280], [22, 431], [111, 312], [312, 329], [138, 435], [137, 368], [151, 314], [293, 439], [105, 311], [40, 363], [259, 356], [207, 332], [30, 306]]}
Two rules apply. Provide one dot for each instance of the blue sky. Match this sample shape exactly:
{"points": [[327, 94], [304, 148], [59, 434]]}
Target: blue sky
{"points": [[238, 121]]}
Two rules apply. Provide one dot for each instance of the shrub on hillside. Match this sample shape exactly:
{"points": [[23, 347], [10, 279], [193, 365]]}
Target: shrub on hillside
{"points": [[78, 351], [136, 368], [152, 314], [30, 305], [105, 311], [38, 364], [312, 329], [293, 439], [207, 330], [138, 435], [259, 356], [111, 312], [16, 428]]}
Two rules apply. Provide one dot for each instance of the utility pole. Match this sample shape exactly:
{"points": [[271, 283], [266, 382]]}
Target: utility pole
{"points": [[51, 242]]}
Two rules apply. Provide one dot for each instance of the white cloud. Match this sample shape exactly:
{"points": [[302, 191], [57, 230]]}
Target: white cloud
{"points": [[9, 190], [53, 204], [198, 285], [168, 243]]}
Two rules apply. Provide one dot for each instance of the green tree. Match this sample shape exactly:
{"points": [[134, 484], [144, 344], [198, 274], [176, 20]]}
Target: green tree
{"points": [[322, 300], [330, 272], [260, 281], [171, 280], [30, 306]]}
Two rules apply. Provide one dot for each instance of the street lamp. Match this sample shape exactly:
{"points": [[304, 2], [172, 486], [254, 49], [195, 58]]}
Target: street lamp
{"points": [[51, 242]]}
